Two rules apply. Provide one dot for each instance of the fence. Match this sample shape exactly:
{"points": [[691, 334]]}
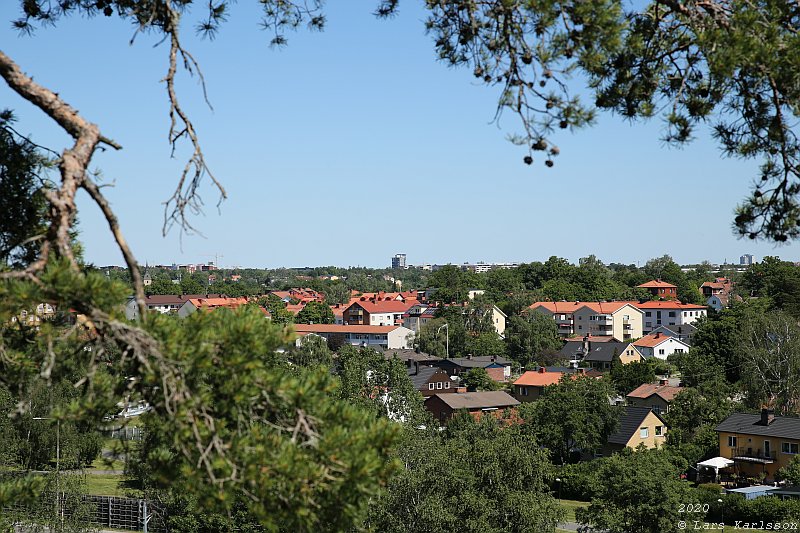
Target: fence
{"points": [[105, 511], [127, 433]]}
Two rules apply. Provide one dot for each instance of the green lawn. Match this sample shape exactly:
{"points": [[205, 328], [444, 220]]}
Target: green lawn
{"points": [[570, 506], [101, 485]]}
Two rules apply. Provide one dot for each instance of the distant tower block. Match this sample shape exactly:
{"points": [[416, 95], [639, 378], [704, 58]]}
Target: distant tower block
{"points": [[746, 260], [399, 261]]}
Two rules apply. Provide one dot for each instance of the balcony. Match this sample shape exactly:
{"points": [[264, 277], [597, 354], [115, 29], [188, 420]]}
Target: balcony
{"points": [[749, 455]]}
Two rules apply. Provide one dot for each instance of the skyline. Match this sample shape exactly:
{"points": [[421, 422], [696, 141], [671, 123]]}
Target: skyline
{"points": [[366, 146]]}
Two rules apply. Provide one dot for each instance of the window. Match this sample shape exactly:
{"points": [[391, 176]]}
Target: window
{"points": [[661, 351], [648, 313], [580, 327], [439, 385], [643, 433], [672, 313], [679, 350], [731, 441], [659, 431], [430, 386], [790, 447], [648, 324], [447, 385]]}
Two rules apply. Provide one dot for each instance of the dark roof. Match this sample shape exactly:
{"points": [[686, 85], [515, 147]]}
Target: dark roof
{"points": [[422, 375], [606, 351], [630, 420], [481, 361], [477, 400], [405, 355], [750, 424], [683, 329], [571, 349]]}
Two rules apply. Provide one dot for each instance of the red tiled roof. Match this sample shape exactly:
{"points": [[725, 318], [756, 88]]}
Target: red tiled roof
{"points": [[388, 306], [654, 339], [657, 283], [605, 307], [339, 328], [667, 392], [538, 379], [667, 304], [558, 307], [213, 303]]}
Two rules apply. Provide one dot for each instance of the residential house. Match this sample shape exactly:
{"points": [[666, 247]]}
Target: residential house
{"points": [[655, 396], [760, 443], [411, 356], [417, 316], [718, 293], [375, 313], [599, 352], [683, 333], [162, 303], [660, 289], [33, 318], [660, 346], [637, 425], [562, 312], [530, 385], [430, 380], [498, 368], [194, 304], [300, 294], [383, 337], [444, 406], [669, 313], [620, 320]]}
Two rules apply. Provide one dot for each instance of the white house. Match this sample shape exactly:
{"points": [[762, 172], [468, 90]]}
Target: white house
{"points": [[660, 346], [386, 337], [669, 313]]}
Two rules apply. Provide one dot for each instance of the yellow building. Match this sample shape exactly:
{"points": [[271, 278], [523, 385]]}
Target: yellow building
{"points": [[637, 425], [759, 444]]}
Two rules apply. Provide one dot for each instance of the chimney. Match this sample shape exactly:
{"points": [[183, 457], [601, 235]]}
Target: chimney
{"points": [[658, 334], [494, 358], [542, 370], [767, 416], [587, 346], [416, 367], [663, 382]]}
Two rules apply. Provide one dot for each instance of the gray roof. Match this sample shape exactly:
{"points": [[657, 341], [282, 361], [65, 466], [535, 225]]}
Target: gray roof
{"points": [[682, 330], [750, 424], [630, 420], [405, 355], [605, 351], [422, 376], [570, 349], [481, 361], [477, 400]]}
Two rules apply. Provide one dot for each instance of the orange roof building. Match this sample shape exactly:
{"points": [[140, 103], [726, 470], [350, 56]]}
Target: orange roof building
{"points": [[660, 346], [656, 396], [660, 289]]}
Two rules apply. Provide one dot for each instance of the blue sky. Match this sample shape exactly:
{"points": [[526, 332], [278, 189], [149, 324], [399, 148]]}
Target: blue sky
{"points": [[353, 144]]}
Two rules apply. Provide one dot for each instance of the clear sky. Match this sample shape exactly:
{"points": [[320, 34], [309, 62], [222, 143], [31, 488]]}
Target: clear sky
{"points": [[354, 144]]}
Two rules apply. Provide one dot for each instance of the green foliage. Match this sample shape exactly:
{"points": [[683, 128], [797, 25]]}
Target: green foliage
{"points": [[776, 280], [452, 284], [21, 196], [791, 472], [483, 476], [629, 376], [573, 417], [315, 313], [277, 309], [531, 337], [692, 417], [313, 351], [770, 348], [478, 379], [379, 385], [641, 491]]}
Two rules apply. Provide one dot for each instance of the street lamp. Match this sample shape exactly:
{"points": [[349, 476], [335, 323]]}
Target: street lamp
{"points": [[721, 510], [558, 480], [58, 459], [447, 338]]}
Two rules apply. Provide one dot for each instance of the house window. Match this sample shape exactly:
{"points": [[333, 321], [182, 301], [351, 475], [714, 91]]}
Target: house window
{"points": [[648, 313], [661, 351], [678, 350], [731, 441], [790, 447], [580, 327], [643, 433], [430, 386], [447, 385], [648, 324], [659, 431], [439, 385]]}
